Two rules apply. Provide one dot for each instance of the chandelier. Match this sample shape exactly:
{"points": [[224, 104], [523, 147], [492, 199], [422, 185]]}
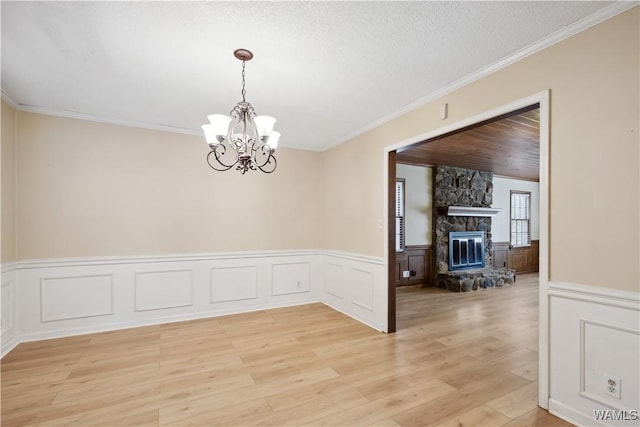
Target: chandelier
{"points": [[244, 140]]}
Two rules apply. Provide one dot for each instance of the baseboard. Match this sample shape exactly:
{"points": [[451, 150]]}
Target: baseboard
{"points": [[571, 415], [8, 345], [368, 322]]}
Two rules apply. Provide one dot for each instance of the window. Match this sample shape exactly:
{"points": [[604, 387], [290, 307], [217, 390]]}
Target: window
{"points": [[399, 214], [520, 218]]}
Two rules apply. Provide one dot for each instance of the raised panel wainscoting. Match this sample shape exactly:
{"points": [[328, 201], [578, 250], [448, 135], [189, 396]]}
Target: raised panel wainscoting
{"points": [[355, 285], [64, 297], [9, 338], [417, 260], [594, 334]]}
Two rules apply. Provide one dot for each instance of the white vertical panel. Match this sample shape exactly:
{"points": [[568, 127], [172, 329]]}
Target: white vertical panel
{"points": [[362, 288], [234, 283], [163, 289], [599, 361], [593, 333], [75, 297], [334, 278], [7, 307], [291, 278]]}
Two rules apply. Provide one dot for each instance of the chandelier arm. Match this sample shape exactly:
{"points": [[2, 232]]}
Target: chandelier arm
{"points": [[213, 166], [270, 166], [221, 150], [260, 151]]}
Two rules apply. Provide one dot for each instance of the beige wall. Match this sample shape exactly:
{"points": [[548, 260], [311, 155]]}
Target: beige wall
{"points": [[8, 155], [94, 189], [594, 221]]}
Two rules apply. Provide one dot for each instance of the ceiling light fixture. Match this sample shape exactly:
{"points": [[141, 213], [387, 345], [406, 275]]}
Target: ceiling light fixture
{"points": [[244, 139]]}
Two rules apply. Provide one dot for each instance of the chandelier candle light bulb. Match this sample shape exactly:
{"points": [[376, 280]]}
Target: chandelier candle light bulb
{"points": [[244, 140]]}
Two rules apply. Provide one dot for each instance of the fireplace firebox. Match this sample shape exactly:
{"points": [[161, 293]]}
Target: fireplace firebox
{"points": [[466, 250]]}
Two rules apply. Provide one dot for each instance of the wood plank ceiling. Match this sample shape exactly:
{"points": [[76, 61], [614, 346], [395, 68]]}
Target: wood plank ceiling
{"points": [[508, 146]]}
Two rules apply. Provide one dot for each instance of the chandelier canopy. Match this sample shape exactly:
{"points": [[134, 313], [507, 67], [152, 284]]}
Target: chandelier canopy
{"points": [[244, 140]]}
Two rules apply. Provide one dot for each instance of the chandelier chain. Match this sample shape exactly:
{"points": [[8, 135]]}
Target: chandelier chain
{"points": [[244, 92]]}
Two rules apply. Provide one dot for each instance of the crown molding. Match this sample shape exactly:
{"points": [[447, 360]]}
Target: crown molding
{"points": [[118, 122], [581, 25], [9, 100], [107, 120]]}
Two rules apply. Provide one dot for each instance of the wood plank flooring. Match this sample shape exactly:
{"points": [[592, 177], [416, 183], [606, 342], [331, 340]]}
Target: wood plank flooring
{"points": [[466, 359]]}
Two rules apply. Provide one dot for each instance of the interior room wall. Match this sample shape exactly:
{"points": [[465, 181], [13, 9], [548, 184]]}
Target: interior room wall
{"points": [[593, 79], [418, 203], [502, 188], [8, 154], [96, 189]]}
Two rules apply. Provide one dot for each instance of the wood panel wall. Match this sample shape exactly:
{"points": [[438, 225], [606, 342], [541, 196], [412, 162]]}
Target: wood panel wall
{"points": [[417, 259], [523, 260]]}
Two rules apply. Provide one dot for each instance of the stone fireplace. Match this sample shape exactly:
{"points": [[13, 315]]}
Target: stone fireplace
{"points": [[462, 230]]}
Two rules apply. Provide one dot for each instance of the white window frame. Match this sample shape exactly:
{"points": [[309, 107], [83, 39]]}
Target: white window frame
{"points": [[520, 219], [400, 214]]}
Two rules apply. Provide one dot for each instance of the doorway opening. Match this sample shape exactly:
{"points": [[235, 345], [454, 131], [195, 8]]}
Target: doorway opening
{"points": [[448, 141]]}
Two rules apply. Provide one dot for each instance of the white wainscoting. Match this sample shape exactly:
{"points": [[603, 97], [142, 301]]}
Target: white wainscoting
{"points": [[63, 297], [234, 283], [8, 289], [160, 289], [355, 285], [594, 333], [74, 296]]}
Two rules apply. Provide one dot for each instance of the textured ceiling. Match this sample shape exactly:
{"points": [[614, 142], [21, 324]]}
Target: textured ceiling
{"points": [[325, 70]]}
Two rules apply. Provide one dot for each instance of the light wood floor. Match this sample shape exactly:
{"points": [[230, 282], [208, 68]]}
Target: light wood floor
{"points": [[465, 359]]}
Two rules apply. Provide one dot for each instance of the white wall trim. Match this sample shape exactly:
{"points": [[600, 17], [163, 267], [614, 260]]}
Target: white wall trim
{"points": [[356, 257], [9, 100], [599, 295], [344, 290], [583, 359], [44, 317], [9, 267], [119, 122], [297, 276], [133, 259], [567, 413], [594, 334], [8, 337], [137, 287]]}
